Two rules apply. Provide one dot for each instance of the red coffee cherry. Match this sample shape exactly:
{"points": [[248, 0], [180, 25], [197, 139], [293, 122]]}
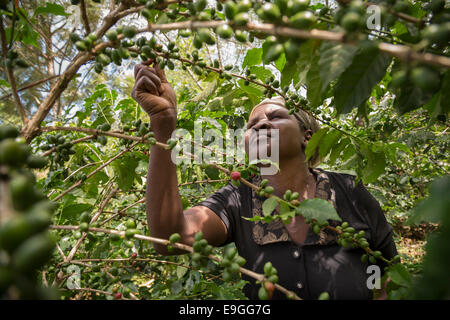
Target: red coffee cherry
{"points": [[117, 296], [235, 175], [269, 287]]}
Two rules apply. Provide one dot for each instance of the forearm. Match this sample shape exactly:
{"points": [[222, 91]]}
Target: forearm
{"points": [[163, 203]]}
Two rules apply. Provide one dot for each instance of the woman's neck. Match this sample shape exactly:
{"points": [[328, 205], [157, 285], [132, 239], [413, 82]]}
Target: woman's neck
{"points": [[293, 175]]}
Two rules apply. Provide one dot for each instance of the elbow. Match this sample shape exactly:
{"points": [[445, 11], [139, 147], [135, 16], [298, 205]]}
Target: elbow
{"points": [[161, 249]]}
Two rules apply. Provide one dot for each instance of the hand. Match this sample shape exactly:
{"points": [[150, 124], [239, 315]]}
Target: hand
{"points": [[152, 91]]}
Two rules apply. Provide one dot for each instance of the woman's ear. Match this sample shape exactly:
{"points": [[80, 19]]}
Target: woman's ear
{"points": [[308, 134], [306, 137]]}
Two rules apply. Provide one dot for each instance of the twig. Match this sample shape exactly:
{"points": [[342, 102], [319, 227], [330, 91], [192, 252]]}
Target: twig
{"points": [[28, 86], [219, 55], [10, 74], [94, 218], [400, 51], [195, 79], [189, 249], [84, 17], [53, 149], [78, 183]]}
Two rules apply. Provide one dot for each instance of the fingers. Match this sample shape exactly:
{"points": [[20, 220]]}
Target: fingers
{"points": [[156, 69], [150, 74], [145, 84]]}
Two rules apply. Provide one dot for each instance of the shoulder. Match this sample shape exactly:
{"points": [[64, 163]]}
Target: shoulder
{"points": [[344, 181]]}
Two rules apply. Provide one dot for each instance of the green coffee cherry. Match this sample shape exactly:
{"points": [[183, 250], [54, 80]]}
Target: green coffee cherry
{"points": [[84, 227], [268, 267], [303, 20], [269, 12], [351, 21], [295, 6], [263, 294], [198, 236], [129, 31], [273, 53], [175, 238], [230, 10], [425, 78], [324, 296]]}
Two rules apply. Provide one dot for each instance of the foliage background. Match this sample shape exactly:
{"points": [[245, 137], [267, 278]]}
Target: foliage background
{"points": [[397, 146]]}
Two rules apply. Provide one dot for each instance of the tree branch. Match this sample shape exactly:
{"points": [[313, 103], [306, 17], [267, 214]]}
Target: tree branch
{"points": [[30, 85], [84, 17], [31, 129], [94, 218], [400, 51], [11, 78]]}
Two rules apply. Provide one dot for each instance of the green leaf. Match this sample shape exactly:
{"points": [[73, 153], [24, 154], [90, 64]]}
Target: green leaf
{"points": [[314, 142], [4, 83], [125, 171], [376, 162], [280, 62], [314, 84], [355, 84], [289, 73], [252, 89], [71, 213], [334, 59], [435, 208], [445, 93], [269, 205], [409, 98], [328, 141], [284, 208], [212, 172], [304, 60], [318, 209], [391, 150], [51, 8], [261, 73], [337, 149], [253, 57], [400, 275]]}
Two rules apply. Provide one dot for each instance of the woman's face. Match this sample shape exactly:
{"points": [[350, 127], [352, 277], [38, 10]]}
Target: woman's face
{"points": [[292, 139]]}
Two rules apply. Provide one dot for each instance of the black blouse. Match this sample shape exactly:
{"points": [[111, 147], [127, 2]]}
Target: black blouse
{"points": [[319, 264]]}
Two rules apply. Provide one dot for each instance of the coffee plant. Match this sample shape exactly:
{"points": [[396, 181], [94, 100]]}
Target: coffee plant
{"points": [[74, 145]]}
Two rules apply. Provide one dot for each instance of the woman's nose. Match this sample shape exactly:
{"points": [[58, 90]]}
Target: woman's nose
{"points": [[263, 124]]}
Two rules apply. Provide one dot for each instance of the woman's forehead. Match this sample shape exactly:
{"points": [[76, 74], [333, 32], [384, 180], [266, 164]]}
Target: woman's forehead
{"points": [[263, 108]]}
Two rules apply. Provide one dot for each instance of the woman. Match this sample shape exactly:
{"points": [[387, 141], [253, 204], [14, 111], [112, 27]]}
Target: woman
{"points": [[307, 263]]}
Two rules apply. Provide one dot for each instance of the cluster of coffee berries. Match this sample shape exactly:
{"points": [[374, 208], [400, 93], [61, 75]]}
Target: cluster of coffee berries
{"points": [[171, 143], [130, 232], [348, 238], [265, 292], [101, 138], [422, 76], [64, 148], [231, 262], [265, 190], [14, 153], [201, 251], [25, 244]]}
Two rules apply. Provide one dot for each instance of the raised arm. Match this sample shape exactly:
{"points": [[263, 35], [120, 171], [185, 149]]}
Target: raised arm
{"points": [[163, 203]]}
